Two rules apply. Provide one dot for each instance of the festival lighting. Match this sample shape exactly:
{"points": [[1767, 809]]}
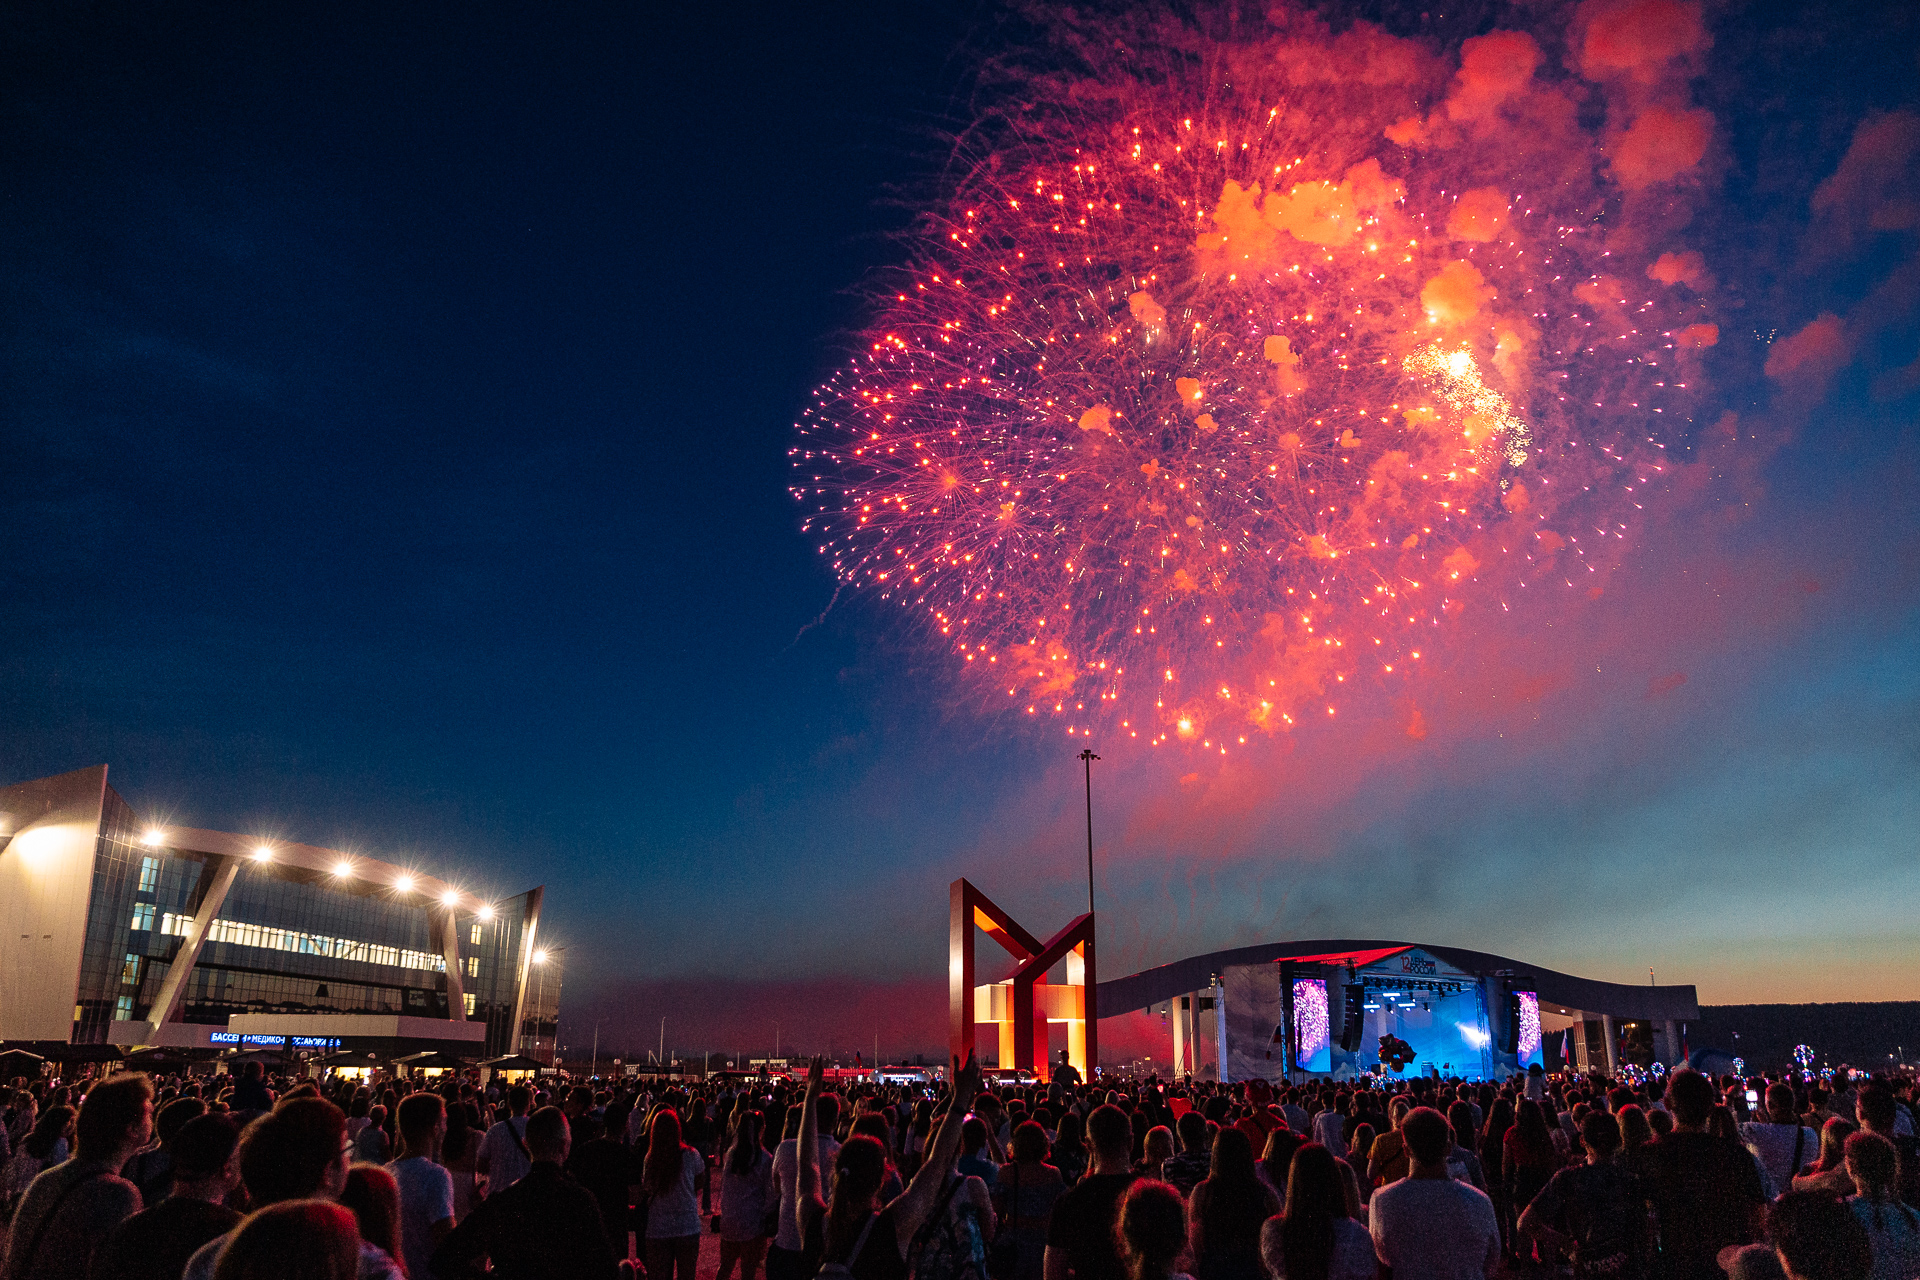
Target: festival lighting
{"points": [[486, 911], [153, 838], [1205, 396], [539, 957], [262, 853], [404, 884], [342, 869], [451, 898]]}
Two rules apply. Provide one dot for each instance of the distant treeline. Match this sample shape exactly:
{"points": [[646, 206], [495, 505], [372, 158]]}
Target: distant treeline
{"points": [[1861, 1035]]}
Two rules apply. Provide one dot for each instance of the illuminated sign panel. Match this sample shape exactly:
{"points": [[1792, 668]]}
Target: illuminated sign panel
{"points": [[1527, 1046], [1314, 1047]]}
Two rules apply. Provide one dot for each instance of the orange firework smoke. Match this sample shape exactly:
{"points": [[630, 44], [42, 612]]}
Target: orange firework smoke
{"points": [[1226, 373]]}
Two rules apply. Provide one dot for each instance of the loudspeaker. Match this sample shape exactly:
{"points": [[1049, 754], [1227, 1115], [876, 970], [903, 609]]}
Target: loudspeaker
{"points": [[1510, 1037], [1353, 1024]]}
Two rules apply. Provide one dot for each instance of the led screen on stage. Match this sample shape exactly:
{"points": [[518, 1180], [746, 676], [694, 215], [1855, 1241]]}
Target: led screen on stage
{"points": [[1527, 1043], [1313, 1046]]}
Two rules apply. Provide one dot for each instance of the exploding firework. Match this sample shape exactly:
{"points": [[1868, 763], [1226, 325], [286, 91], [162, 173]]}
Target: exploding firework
{"points": [[1224, 376]]}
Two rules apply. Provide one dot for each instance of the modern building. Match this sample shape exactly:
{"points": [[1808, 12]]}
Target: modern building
{"points": [[1341, 1008], [118, 931]]}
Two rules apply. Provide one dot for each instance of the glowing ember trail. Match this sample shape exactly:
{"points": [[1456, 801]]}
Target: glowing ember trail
{"points": [[1215, 387]]}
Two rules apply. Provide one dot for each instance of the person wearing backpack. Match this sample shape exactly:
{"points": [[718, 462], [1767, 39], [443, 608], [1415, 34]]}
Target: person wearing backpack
{"points": [[504, 1158], [855, 1239]]}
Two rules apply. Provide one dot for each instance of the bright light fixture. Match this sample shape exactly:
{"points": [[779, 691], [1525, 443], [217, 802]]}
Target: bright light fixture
{"points": [[343, 868], [153, 837], [262, 853], [539, 957], [486, 913], [451, 898], [404, 884]]}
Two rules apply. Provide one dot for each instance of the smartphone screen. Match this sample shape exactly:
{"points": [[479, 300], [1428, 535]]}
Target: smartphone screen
{"points": [[1753, 1099]]}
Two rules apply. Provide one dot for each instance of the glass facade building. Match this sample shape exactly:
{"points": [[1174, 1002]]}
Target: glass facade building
{"points": [[281, 930]]}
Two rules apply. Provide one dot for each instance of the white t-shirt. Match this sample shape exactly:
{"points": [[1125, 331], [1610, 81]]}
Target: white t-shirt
{"points": [[677, 1212], [1434, 1229], [1773, 1144], [426, 1198], [506, 1163], [786, 1177], [1329, 1130]]}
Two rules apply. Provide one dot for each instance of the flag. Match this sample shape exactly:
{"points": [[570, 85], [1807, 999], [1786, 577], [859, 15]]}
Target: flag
{"points": [[856, 1058]]}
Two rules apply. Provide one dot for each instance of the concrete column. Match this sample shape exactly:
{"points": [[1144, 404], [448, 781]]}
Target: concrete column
{"points": [[529, 937], [1177, 1014], [450, 951], [1220, 1029], [1613, 1051], [166, 1005], [1670, 1043]]}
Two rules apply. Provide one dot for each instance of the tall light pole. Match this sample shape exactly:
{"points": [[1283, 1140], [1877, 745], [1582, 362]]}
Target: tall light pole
{"points": [[663, 1044], [1087, 758]]}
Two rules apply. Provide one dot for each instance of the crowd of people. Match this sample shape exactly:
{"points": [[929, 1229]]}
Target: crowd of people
{"points": [[132, 1177]]}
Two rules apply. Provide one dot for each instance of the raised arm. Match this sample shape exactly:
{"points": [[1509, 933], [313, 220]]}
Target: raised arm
{"points": [[809, 1171], [916, 1202]]}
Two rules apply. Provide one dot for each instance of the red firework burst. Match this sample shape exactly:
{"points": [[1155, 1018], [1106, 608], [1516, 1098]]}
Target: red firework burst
{"points": [[1211, 390]]}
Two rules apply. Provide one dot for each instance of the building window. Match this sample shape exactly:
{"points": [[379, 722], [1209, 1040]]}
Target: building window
{"points": [[130, 971], [473, 938], [149, 874], [143, 915], [470, 1005], [473, 966], [123, 1009]]}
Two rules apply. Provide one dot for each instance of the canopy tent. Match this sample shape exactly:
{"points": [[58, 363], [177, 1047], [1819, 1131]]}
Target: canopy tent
{"points": [[86, 1053], [151, 1059], [429, 1060], [348, 1060], [19, 1062], [513, 1062]]}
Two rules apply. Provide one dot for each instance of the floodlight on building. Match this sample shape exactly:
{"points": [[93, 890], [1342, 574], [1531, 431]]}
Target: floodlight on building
{"points": [[404, 884], [343, 869], [153, 837], [539, 957], [262, 853], [486, 912], [451, 898]]}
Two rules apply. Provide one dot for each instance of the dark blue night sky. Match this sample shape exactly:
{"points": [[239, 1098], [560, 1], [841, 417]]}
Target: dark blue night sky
{"points": [[396, 409]]}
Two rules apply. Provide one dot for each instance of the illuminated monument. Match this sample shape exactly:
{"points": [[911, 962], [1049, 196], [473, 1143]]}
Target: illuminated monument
{"points": [[1023, 1005]]}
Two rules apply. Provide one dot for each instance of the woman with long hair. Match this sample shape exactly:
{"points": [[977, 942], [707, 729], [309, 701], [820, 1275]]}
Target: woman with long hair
{"points": [[671, 1177], [1315, 1236], [1493, 1146], [1151, 1230], [1227, 1210], [293, 1240], [850, 1229], [1529, 1157], [1276, 1162], [746, 1189], [460, 1156], [1023, 1195], [374, 1199], [51, 1129], [1635, 1135], [1356, 1158], [1828, 1174], [1070, 1148]]}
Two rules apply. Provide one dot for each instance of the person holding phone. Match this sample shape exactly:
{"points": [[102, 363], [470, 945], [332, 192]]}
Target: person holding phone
{"points": [[1782, 1143]]}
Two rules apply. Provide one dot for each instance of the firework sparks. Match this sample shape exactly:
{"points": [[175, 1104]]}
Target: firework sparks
{"points": [[1208, 393]]}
